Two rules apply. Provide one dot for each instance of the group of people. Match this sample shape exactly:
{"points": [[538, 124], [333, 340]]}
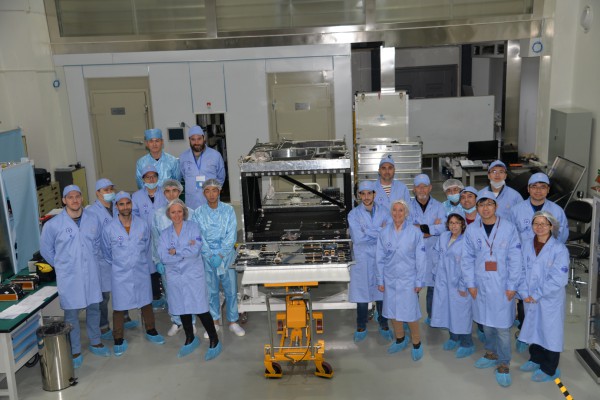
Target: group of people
{"points": [[125, 243], [484, 255]]}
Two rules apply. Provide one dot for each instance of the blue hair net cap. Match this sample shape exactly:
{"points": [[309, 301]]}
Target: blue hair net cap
{"points": [[386, 159], [422, 179], [122, 195], [102, 183], [457, 211], [470, 189], [153, 134], [539, 177], [149, 168], [485, 194], [195, 130], [70, 188], [366, 185], [497, 163]]}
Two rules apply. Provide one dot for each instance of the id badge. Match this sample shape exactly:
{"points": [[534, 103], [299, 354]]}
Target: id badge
{"points": [[200, 181], [491, 266]]}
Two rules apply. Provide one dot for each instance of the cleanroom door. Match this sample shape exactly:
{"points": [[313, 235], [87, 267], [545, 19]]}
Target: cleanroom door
{"points": [[120, 119]]}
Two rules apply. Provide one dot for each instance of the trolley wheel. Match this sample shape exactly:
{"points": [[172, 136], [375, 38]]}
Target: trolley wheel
{"points": [[278, 370], [327, 370], [243, 317]]}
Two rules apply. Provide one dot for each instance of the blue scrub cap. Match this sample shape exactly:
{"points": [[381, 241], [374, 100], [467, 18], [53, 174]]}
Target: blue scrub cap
{"points": [[386, 159], [149, 168], [70, 188], [470, 189], [422, 179], [122, 195], [458, 212], [195, 130], [212, 182], [153, 134], [366, 185], [485, 194], [538, 177], [102, 183], [497, 163]]}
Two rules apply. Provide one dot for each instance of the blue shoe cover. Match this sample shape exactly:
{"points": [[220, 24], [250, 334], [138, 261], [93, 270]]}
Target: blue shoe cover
{"points": [[463, 352], [360, 336], [213, 352], [107, 335], [131, 324], [100, 351], [77, 361], [481, 336], [158, 339], [485, 363], [516, 323], [450, 345], [160, 303], [187, 349], [503, 380], [541, 376], [396, 347], [119, 349], [386, 333], [529, 366], [427, 321], [417, 354], [521, 346]]}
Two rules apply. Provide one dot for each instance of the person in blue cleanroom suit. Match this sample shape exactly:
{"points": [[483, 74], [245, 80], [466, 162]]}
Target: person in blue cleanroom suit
{"points": [[387, 189], [70, 242], [126, 248], [166, 164], [452, 189], [506, 198], [179, 250], [171, 189], [400, 275], [219, 232], [428, 215], [546, 262], [491, 270], [452, 305], [145, 202], [365, 222], [198, 164]]}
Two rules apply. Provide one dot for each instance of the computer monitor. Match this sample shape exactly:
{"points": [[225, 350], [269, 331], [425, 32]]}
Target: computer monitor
{"points": [[564, 178], [483, 150]]}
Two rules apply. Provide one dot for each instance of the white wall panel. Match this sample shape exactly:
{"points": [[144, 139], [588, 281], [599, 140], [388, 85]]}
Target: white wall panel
{"points": [[342, 94], [208, 87], [115, 71], [300, 64]]}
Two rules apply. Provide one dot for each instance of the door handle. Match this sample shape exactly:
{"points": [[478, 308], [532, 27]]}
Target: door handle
{"points": [[131, 141]]}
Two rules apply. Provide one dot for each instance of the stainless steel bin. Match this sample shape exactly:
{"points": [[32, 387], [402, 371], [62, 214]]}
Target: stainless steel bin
{"points": [[56, 361]]}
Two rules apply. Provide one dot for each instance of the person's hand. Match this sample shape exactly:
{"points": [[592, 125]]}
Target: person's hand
{"points": [[160, 268], [426, 235], [215, 260], [510, 294], [417, 289], [380, 288], [473, 292], [462, 293], [437, 221], [172, 251], [529, 300]]}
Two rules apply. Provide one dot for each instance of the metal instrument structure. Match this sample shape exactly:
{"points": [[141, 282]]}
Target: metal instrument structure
{"points": [[294, 240]]}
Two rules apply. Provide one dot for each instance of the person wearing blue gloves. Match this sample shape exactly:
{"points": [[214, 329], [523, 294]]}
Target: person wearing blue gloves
{"points": [[145, 202], [179, 250], [452, 188], [506, 198], [546, 262], [401, 259], [387, 189], [428, 215], [198, 164], [218, 225], [70, 242], [491, 270], [171, 189], [365, 223], [166, 164], [126, 247], [452, 305]]}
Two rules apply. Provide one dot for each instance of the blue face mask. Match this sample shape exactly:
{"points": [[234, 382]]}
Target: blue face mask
{"points": [[470, 210], [151, 185], [109, 197], [454, 198]]}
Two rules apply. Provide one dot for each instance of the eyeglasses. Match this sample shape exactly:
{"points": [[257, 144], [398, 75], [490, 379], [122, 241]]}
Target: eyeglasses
{"points": [[486, 204], [497, 172], [540, 225], [151, 177]]}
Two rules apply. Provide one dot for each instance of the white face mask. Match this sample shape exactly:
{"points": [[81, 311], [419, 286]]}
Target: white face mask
{"points": [[496, 185]]}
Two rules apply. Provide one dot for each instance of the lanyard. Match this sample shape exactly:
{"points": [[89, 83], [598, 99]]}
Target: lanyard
{"points": [[199, 165], [491, 246]]}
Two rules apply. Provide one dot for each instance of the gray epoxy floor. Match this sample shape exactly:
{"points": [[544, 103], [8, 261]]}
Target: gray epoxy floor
{"points": [[365, 370]]}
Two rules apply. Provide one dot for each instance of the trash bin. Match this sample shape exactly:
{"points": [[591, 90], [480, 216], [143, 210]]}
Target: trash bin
{"points": [[56, 361]]}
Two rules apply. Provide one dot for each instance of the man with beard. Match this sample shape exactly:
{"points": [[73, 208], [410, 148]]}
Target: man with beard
{"points": [[164, 163], [199, 164]]}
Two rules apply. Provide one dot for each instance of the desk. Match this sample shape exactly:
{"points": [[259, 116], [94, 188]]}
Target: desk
{"points": [[473, 172], [18, 341]]}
